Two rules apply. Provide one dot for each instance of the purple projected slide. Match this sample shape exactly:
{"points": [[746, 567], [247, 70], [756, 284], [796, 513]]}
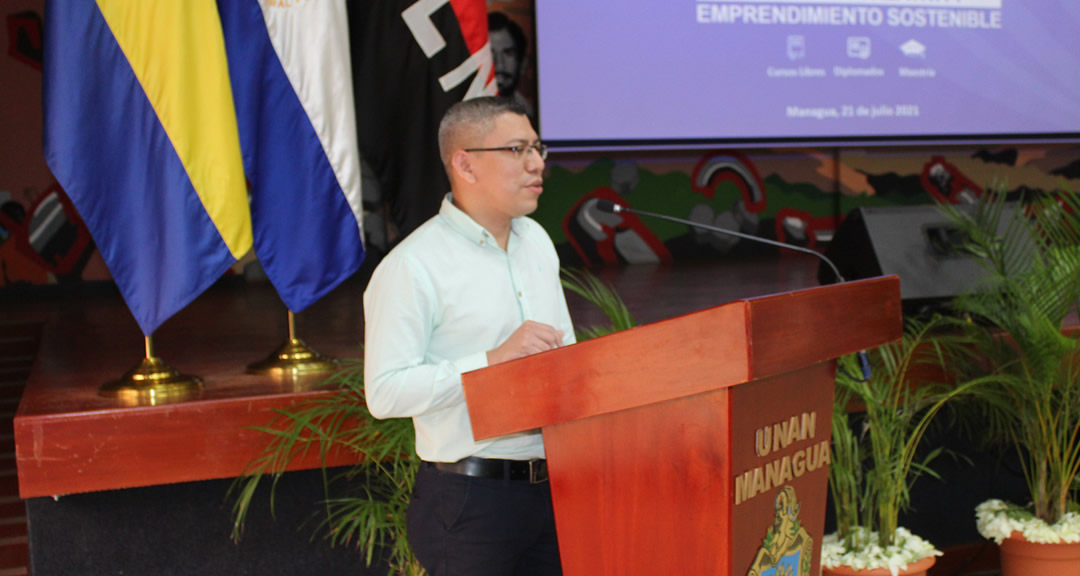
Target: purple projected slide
{"points": [[645, 71]]}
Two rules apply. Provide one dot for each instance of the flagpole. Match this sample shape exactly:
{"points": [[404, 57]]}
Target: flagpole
{"points": [[293, 358], [152, 382]]}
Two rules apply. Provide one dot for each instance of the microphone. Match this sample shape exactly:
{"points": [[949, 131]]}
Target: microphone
{"points": [[609, 207]]}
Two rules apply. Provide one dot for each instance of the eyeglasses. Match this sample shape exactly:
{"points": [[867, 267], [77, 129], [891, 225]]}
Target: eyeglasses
{"points": [[519, 150]]}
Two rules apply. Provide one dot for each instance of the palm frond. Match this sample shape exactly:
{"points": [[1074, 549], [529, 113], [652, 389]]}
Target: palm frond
{"points": [[872, 473], [1033, 282], [384, 450], [603, 296]]}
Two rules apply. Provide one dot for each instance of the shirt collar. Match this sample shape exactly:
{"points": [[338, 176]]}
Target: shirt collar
{"points": [[467, 227]]}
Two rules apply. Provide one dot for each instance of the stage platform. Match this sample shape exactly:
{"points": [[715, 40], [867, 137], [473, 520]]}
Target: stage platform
{"points": [[99, 454], [70, 440]]}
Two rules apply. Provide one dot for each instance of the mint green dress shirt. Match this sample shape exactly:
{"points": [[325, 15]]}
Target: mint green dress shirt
{"points": [[434, 307]]}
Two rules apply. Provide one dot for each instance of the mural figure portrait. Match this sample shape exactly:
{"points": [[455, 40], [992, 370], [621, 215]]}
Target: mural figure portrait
{"points": [[508, 47]]}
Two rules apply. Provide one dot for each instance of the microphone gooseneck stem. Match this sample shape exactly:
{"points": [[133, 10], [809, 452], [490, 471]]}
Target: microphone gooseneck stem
{"points": [[751, 237], [608, 206]]}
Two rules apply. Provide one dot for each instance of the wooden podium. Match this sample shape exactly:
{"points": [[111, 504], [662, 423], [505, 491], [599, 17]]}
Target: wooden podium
{"points": [[695, 445]]}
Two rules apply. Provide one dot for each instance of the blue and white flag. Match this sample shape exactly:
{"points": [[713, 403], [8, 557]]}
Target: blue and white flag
{"points": [[292, 85]]}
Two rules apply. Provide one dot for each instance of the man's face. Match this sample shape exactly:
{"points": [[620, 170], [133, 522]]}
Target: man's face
{"points": [[507, 62], [510, 186]]}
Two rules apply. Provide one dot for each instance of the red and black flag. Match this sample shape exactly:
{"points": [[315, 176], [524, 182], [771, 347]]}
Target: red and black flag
{"points": [[413, 59]]}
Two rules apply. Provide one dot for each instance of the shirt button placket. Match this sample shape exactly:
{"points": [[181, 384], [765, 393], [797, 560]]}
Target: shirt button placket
{"points": [[519, 291]]}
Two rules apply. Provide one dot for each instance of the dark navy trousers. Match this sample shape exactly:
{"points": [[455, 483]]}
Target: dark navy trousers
{"points": [[465, 526]]}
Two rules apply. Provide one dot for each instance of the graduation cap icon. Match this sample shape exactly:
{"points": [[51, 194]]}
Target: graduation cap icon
{"points": [[914, 49]]}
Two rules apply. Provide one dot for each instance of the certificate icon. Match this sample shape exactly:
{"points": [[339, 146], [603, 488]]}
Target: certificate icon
{"points": [[858, 47]]}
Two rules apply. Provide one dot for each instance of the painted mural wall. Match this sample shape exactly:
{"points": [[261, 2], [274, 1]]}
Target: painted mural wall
{"points": [[796, 195], [42, 239]]}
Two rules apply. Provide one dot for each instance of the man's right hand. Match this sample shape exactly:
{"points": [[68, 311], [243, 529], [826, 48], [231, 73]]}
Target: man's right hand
{"points": [[530, 338]]}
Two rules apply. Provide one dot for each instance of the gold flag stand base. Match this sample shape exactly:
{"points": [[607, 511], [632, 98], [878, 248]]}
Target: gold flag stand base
{"points": [[293, 358], [151, 382]]}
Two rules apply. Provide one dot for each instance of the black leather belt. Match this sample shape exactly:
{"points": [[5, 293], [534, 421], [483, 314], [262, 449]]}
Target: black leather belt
{"points": [[535, 471]]}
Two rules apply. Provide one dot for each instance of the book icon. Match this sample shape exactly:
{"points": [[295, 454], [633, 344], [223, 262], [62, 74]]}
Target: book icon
{"points": [[796, 47]]}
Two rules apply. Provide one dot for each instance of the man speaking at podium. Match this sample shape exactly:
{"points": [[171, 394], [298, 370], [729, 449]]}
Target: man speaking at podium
{"points": [[474, 286]]}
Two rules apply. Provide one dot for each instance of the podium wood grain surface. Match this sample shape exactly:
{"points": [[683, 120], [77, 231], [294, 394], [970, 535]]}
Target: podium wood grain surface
{"points": [[649, 431]]}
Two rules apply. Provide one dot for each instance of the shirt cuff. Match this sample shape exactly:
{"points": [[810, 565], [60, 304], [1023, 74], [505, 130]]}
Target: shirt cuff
{"points": [[471, 362]]}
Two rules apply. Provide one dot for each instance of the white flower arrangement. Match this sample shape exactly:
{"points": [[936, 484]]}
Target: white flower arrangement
{"points": [[908, 549], [998, 520]]}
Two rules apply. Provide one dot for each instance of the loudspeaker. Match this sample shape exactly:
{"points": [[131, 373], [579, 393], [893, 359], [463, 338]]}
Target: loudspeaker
{"points": [[918, 243]]}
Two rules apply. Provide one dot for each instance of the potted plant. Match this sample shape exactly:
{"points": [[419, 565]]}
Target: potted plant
{"points": [[1030, 251], [876, 454], [371, 514]]}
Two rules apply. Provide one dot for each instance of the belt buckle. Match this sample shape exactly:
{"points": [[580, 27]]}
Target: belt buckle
{"points": [[537, 471]]}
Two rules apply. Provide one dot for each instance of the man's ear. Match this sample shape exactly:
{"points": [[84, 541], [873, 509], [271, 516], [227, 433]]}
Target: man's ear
{"points": [[462, 165]]}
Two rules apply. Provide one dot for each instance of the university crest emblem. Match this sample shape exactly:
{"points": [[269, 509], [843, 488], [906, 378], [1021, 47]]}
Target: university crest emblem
{"points": [[787, 549]]}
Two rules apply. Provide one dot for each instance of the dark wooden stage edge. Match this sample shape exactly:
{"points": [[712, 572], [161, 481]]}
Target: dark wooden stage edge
{"points": [[70, 440]]}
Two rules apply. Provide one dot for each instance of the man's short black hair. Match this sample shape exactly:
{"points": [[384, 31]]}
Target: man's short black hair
{"points": [[500, 21], [477, 114]]}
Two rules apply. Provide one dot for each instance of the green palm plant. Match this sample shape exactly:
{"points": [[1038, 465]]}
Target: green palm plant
{"points": [[603, 296], [371, 515], [877, 455], [1031, 254]]}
